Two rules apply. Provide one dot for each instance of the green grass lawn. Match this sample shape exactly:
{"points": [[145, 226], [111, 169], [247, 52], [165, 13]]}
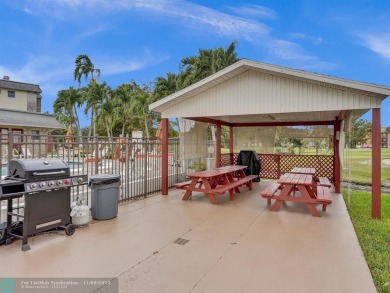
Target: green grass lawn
{"points": [[361, 166], [373, 235]]}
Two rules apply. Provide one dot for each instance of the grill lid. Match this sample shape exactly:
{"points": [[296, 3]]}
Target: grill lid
{"points": [[38, 169]]}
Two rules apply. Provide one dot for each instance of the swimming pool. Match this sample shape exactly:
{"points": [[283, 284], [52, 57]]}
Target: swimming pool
{"points": [[4, 170]]}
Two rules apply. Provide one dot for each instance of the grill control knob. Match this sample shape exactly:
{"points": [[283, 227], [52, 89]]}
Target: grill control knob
{"points": [[33, 185], [60, 183], [51, 183], [80, 180], [42, 184]]}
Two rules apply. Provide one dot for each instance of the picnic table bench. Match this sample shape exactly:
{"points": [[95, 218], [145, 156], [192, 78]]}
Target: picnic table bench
{"points": [[269, 191], [323, 196], [324, 181]]}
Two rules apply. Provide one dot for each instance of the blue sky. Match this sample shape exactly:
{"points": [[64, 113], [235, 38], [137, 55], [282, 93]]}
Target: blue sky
{"points": [[142, 39]]}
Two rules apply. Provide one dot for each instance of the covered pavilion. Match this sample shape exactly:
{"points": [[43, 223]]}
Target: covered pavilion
{"points": [[250, 94]]}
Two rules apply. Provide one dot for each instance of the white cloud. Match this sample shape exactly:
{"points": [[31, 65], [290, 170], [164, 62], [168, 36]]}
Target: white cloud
{"points": [[314, 40], [254, 11], [92, 32], [189, 15], [287, 50], [115, 66], [290, 54], [38, 69], [378, 43]]}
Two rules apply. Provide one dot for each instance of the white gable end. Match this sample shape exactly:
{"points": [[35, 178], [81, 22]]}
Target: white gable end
{"points": [[254, 92]]}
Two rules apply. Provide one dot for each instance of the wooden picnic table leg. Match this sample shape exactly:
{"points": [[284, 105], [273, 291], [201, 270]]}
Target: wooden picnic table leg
{"points": [[241, 173], [230, 179], [286, 190], [214, 182], [188, 193], [211, 196], [306, 193]]}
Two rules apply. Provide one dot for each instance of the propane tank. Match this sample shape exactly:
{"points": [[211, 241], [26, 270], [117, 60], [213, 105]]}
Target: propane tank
{"points": [[80, 213]]}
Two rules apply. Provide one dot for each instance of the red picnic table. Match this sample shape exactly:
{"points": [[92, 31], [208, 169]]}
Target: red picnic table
{"points": [[298, 170], [218, 181], [311, 194]]}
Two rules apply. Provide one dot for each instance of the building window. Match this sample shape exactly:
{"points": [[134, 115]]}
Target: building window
{"points": [[39, 104], [4, 133], [34, 134], [11, 94]]}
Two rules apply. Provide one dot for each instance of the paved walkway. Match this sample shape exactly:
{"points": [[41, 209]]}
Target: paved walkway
{"points": [[235, 246]]}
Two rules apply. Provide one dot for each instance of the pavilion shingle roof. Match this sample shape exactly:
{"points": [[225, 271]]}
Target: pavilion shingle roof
{"points": [[30, 119], [21, 86]]}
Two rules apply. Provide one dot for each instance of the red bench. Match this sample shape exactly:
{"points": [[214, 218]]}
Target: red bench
{"points": [[247, 180], [324, 181], [323, 196], [269, 191], [220, 189]]}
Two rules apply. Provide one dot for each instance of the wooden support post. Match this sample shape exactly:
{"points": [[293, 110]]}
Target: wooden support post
{"points": [[218, 146], [231, 142], [376, 163], [336, 157], [164, 151]]}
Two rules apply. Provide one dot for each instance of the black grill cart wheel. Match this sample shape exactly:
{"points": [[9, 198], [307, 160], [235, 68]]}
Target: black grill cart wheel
{"points": [[69, 229]]}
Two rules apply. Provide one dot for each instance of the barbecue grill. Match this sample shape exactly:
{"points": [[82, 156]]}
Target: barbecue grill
{"points": [[46, 186]]}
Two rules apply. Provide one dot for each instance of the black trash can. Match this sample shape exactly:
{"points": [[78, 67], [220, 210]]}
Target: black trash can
{"points": [[250, 159], [104, 195]]}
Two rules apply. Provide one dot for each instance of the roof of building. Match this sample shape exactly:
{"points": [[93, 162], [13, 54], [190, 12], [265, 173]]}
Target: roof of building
{"points": [[21, 86], [30, 119], [249, 92]]}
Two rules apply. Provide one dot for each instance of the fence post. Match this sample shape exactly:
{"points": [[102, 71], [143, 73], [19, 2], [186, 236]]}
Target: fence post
{"points": [[145, 167], [10, 145], [95, 139]]}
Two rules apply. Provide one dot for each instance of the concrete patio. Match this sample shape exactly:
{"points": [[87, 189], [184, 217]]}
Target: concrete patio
{"points": [[235, 246]]}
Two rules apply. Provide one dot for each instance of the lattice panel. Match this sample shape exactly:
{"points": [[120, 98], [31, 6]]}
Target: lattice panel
{"points": [[270, 166], [225, 159], [274, 165]]}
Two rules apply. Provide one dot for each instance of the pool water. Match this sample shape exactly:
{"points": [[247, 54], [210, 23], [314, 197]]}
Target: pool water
{"points": [[4, 170]]}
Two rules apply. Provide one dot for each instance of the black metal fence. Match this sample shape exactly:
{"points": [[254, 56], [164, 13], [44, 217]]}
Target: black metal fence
{"points": [[137, 161]]}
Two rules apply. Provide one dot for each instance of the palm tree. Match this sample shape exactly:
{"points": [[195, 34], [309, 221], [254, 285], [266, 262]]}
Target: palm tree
{"points": [[140, 102], [94, 96], [66, 105], [84, 67], [123, 97], [207, 62], [106, 114], [223, 58], [165, 86]]}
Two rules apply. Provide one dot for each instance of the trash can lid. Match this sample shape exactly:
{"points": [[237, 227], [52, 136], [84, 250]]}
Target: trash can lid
{"points": [[102, 178]]}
